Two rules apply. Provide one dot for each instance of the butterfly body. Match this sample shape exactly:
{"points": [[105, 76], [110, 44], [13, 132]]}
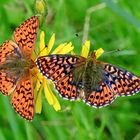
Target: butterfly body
{"points": [[92, 75], [16, 65], [16, 61], [97, 83]]}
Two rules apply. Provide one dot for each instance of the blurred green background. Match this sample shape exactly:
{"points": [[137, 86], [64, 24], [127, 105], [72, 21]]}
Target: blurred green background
{"points": [[108, 24]]}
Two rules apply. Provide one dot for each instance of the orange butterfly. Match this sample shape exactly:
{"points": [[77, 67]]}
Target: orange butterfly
{"points": [[16, 65], [97, 83]]}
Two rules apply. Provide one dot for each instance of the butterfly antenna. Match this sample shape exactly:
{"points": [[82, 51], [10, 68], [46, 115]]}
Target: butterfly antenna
{"points": [[35, 52], [114, 51], [38, 54]]}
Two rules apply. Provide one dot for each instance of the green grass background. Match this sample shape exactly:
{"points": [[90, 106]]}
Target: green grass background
{"points": [[115, 26]]}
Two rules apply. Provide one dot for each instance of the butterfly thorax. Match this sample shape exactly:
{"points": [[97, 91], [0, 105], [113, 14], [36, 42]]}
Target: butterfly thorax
{"points": [[92, 76], [87, 75]]}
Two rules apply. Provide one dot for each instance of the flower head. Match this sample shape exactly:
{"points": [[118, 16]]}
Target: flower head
{"points": [[46, 85], [43, 83], [41, 6]]}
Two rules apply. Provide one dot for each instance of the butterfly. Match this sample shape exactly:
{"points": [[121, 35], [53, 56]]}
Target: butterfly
{"points": [[97, 83], [16, 65]]}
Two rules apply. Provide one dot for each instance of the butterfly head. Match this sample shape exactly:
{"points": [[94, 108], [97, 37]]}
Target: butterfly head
{"points": [[92, 57]]}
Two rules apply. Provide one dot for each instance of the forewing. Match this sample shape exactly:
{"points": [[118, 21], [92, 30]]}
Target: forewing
{"points": [[60, 68], [8, 49], [116, 82], [23, 98], [25, 35], [124, 82]]}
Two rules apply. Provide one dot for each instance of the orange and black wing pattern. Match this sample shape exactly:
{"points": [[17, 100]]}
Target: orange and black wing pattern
{"points": [[7, 80], [69, 74], [25, 35], [59, 68], [116, 82], [7, 50], [14, 72], [23, 98], [7, 83]]}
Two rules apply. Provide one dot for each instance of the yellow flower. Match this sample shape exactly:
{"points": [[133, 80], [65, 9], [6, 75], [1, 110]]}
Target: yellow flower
{"points": [[86, 48], [41, 10], [43, 83]]}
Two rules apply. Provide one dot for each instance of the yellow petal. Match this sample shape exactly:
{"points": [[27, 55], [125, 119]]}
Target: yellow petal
{"points": [[85, 49], [63, 48], [48, 92], [39, 81], [59, 48], [38, 103], [52, 100], [72, 52], [42, 40], [51, 43], [37, 91], [98, 52], [67, 48], [38, 85], [42, 48], [56, 104]]}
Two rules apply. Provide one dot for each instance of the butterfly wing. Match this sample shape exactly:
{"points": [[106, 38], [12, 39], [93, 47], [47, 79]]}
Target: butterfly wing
{"points": [[7, 83], [62, 70], [116, 82], [25, 35], [8, 49], [7, 80], [23, 98], [126, 83], [59, 68]]}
